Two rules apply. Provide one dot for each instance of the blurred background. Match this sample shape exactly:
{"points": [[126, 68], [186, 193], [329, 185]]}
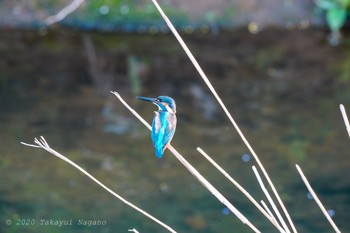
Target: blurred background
{"points": [[281, 67]]}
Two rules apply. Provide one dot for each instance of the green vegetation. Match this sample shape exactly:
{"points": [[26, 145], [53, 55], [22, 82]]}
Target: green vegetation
{"points": [[124, 15], [336, 14]]}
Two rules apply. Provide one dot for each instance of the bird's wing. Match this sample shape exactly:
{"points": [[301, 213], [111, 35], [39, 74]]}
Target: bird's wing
{"points": [[163, 129], [169, 129]]}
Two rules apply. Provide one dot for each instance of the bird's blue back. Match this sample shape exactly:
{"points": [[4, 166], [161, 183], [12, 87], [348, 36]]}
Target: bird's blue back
{"points": [[163, 129]]}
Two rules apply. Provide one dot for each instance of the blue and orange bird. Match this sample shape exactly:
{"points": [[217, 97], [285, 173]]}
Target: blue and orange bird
{"points": [[164, 122]]}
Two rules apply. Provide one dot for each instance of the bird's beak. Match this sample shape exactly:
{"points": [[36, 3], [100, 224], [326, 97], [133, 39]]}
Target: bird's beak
{"points": [[146, 99]]}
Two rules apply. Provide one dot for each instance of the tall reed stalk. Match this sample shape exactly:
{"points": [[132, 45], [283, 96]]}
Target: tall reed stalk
{"points": [[41, 143], [267, 177]]}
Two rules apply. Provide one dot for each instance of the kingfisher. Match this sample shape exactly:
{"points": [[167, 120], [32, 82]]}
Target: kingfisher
{"points": [[164, 122]]}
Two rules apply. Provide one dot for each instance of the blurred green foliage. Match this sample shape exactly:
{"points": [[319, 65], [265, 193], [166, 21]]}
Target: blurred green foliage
{"points": [[336, 13], [136, 15]]}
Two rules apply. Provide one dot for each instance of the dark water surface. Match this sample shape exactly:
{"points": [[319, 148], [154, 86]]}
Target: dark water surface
{"points": [[282, 87]]}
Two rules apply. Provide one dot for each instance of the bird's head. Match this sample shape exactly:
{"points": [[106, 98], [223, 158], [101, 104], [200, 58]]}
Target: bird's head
{"points": [[164, 103]]}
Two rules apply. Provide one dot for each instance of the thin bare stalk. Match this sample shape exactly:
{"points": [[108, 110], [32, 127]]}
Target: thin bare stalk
{"points": [[268, 210], [133, 230], [41, 143], [64, 12], [269, 216], [272, 203], [206, 80], [319, 203], [194, 172], [345, 117]]}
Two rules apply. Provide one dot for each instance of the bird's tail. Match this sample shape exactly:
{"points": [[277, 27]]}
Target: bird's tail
{"points": [[159, 152]]}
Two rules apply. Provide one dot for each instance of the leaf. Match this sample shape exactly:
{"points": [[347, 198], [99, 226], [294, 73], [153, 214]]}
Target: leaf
{"points": [[336, 18], [345, 3]]}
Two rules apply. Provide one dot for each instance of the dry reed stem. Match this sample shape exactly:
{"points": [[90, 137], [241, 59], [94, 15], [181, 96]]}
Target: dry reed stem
{"points": [[193, 171], [345, 117], [206, 80], [268, 196], [41, 143], [268, 210], [269, 216], [64, 12], [317, 200]]}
